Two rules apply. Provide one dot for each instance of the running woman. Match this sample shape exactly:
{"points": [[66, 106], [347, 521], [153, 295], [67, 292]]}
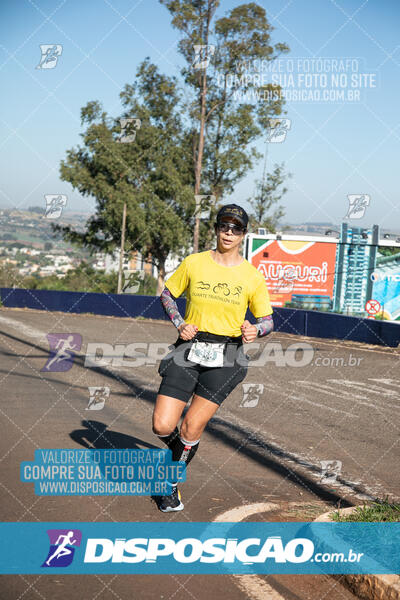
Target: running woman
{"points": [[207, 361]]}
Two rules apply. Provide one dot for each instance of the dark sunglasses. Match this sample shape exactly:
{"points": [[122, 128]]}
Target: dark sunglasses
{"points": [[225, 227]]}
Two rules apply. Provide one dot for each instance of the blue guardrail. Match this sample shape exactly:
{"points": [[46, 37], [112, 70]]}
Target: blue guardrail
{"points": [[287, 320]]}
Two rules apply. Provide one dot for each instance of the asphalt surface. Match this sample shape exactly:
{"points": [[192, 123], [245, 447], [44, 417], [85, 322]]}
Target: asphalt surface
{"points": [[341, 406]]}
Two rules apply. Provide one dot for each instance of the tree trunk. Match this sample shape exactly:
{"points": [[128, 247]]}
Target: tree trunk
{"points": [[211, 233], [122, 250], [199, 157]]}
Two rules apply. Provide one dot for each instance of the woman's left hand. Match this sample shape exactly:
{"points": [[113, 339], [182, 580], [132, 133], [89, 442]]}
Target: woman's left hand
{"points": [[249, 332]]}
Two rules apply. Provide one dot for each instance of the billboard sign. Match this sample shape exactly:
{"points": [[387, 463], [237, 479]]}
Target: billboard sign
{"points": [[386, 283], [296, 270]]}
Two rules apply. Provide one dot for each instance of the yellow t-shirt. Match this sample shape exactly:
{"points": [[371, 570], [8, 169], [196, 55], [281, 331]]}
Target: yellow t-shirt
{"points": [[217, 297]]}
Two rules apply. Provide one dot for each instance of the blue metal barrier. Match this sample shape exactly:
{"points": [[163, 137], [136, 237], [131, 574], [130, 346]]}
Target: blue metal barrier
{"points": [[287, 320], [331, 325], [115, 305]]}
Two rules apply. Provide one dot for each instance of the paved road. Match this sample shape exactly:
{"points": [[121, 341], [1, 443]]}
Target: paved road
{"points": [[311, 401]]}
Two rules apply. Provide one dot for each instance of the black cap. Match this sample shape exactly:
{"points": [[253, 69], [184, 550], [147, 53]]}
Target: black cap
{"points": [[233, 210]]}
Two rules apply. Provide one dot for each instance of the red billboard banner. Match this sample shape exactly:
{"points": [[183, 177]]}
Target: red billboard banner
{"points": [[294, 267]]}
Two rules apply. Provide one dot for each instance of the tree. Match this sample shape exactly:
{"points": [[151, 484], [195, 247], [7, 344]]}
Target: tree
{"points": [[173, 155], [152, 175], [389, 250], [269, 192], [9, 276], [225, 122]]}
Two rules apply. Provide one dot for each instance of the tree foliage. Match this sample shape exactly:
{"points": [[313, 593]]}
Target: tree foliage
{"points": [[151, 174], [269, 191], [82, 278], [222, 93], [197, 138]]}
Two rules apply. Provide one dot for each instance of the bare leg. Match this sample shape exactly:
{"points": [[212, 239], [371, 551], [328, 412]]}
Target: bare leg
{"points": [[166, 414], [199, 413]]}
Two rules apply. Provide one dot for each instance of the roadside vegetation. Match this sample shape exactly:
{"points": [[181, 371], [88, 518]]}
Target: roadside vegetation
{"points": [[378, 511], [81, 279]]}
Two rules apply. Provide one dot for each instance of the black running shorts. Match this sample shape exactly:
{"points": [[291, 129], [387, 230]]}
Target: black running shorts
{"points": [[182, 378]]}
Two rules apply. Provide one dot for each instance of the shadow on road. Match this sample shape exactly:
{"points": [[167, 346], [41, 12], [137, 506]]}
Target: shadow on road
{"points": [[96, 435], [260, 451]]}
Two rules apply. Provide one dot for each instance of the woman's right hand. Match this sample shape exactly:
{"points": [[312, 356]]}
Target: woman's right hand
{"points": [[187, 332]]}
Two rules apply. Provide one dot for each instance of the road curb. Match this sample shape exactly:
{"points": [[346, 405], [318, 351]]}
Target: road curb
{"points": [[366, 587]]}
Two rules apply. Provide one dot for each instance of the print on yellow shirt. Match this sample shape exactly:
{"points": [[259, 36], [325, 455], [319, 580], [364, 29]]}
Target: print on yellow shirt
{"points": [[217, 297]]}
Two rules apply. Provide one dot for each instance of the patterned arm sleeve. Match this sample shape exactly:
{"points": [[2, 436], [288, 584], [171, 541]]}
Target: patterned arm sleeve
{"points": [[171, 307], [264, 325]]}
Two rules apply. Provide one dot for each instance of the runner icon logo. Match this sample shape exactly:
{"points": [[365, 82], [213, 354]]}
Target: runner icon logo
{"points": [[62, 351], [330, 470], [97, 397], [202, 55], [50, 55], [277, 130], [54, 205], [358, 204], [251, 394], [132, 280], [129, 127], [62, 547]]}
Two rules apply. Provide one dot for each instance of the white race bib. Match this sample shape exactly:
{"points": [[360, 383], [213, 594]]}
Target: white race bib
{"points": [[207, 354]]}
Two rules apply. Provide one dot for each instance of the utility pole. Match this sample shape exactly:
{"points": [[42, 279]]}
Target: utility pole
{"points": [[203, 97], [129, 128], [122, 249], [196, 235], [196, 224]]}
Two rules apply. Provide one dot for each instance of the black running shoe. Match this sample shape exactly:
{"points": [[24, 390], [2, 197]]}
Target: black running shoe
{"points": [[170, 503]]}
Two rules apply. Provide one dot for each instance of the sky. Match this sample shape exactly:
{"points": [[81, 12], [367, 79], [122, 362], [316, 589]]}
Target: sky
{"points": [[344, 144]]}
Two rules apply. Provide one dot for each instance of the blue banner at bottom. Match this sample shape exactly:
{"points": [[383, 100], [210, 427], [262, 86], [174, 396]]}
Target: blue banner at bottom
{"points": [[193, 548]]}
